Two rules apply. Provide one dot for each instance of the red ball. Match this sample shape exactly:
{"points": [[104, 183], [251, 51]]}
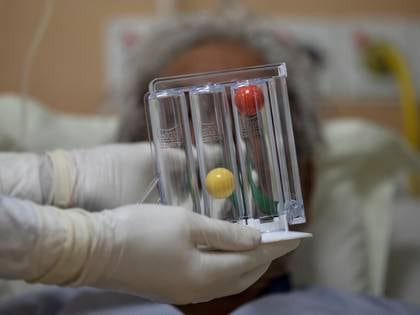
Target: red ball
{"points": [[249, 99]]}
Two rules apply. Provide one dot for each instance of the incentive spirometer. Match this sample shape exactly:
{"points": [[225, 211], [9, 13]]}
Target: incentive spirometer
{"points": [[223, 146]]}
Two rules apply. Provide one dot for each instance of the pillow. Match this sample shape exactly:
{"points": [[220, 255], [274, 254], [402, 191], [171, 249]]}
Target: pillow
{"points": [[403, 276], [358, 175], [336, 256], [47, 129]]}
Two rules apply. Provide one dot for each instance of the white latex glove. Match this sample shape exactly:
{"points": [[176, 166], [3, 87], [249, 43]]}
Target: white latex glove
{"points": [[94, 179], [21, 176], [111, 176], [148, 250], [101, 178]]}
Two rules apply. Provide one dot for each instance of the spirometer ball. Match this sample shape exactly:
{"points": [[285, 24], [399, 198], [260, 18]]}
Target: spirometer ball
{"points": [[220, 183], [249, 99]]}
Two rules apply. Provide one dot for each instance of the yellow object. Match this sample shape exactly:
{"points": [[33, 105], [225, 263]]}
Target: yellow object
{"points": [[408, 104], [407, 95], [220, 183], [383, 58]]}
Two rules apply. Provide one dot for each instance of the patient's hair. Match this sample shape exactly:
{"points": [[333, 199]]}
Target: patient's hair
{"points": [[174, 38]]}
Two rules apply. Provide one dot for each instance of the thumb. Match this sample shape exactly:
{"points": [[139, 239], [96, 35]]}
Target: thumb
{"points": [[223, 235]]}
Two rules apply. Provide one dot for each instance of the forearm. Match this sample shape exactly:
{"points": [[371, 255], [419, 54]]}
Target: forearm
{"points": [[20, 227], [44, 244], [18, 237], [42, 178], [93, 179]]}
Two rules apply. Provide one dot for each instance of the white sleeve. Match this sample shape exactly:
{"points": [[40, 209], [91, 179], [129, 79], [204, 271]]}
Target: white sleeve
{"points": [[19, 229], [25, 176], [18, 235], [42, 243]]}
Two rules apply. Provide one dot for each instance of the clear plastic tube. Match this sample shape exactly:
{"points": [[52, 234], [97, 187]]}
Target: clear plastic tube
{"points": [[257, 155], [216, 153], [286, 150], [175, 164]]}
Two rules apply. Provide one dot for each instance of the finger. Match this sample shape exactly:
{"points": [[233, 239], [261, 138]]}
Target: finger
{"points": [[234, 285], [278, 249], [213, 154], [223, 235], [218, 265], [175, 157], [253, 275], [247, 279]]}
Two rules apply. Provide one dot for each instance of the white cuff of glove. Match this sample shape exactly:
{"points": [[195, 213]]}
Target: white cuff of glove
{"points": [[51, 246], [65, 236], [63, 178], [100, 178]]}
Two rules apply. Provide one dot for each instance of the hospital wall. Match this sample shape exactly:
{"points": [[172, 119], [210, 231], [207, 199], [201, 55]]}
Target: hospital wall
{"points": [[68, 69]]}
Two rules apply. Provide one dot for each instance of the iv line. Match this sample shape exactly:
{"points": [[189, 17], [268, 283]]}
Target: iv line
{"points": [[27, 65]]}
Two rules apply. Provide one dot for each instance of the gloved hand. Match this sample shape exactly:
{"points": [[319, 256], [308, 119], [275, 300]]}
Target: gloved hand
{"points": [[101, 178], [159, 252], [21, 176], [94, 179]]}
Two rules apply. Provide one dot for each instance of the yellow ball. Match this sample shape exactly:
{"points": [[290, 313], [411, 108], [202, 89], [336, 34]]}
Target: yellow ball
{"points": [[220, 183]]}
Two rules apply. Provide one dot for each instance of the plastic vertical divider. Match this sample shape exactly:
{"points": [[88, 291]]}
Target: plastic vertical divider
{"points": [[281, 152], [196, 120], [190, 156], [233, 156], [240, 148], [171, 135], [257, 154], [293, 194]]}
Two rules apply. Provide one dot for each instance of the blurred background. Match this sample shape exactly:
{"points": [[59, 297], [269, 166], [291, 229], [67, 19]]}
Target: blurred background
{"points": [[73, 56], [93, 38]]}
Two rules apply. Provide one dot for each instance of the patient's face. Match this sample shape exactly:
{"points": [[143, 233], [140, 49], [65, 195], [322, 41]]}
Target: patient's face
{"points": [[216, 55], [213, 55]]}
